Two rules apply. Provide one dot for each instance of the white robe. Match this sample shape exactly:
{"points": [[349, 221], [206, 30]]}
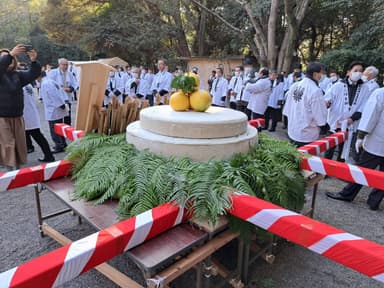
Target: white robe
{"points": [[71, 81], [30, 114], [162, 81], [372, 121], [115, 86], [219, 90], [325, 83], [50, 91], [260, 92], [340, 109], [306, 111], [236, 84], [276, 95], [372, 85]]}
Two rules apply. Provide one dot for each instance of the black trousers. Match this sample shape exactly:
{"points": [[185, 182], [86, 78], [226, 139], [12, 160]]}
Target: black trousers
{"points": [[371, 161], [271, 113], [242, 106], [67, 119], [57, 139], [40, 140], [150, 98]]}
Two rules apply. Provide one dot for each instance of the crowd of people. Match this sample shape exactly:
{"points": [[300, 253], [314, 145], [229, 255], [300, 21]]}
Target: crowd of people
{"points": [[309, 104]]}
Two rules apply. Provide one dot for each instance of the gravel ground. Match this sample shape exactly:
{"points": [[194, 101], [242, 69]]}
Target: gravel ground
{"points": [[294, 266]]}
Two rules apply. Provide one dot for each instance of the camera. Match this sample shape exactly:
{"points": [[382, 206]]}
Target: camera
{"points": [[28, 48]]}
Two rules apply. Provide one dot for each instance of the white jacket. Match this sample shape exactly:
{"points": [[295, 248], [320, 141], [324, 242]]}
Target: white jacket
{"points": [[260, 92], [219, 90], [50, 91], [340, 109], [71, 81], [31, 115], [306, 111], [276, 95], [372, 121]]}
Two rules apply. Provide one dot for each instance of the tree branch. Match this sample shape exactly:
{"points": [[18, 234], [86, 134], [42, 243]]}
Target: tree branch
{"points": [[218, 16]]}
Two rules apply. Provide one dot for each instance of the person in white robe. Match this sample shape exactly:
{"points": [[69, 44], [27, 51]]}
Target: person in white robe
{"points": [[305, 107], [219, 88], [297, 68], [370, 78], [245, 94], [273, 110], [55, 108], [32, 126], [260, 92], [115, 88], [161, 84], [235, 86], [370, 146], [346, 100], [67, 82], [325, 81]]}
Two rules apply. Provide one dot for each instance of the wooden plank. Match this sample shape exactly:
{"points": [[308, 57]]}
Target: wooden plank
{"points": [[93, 79], [172, 272], [107, 270]]}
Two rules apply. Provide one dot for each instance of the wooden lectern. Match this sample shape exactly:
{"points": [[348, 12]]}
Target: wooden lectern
{"points": [[93, 82]]}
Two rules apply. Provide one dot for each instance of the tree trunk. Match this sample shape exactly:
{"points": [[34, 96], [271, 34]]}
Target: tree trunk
{"points": [[181, 43], [272, 49], [202, 29]]}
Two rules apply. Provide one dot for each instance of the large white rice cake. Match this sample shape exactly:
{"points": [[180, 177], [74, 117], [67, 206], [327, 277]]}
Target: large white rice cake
{"points": [[196, 149], [216, 122]]}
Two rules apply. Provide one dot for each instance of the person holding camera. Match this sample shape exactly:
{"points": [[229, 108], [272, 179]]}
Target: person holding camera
{"points": [[13, 148]]}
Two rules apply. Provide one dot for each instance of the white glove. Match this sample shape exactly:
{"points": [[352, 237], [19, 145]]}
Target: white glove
{"points": [[358, 145], [66, 107]]}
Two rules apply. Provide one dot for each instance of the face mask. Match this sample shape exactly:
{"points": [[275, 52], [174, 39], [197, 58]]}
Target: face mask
{"points": [[333, 78], [135, 75], [111, 74], [364, 78], [143, 71], [237, 74], [356, 76], [322, 77]]}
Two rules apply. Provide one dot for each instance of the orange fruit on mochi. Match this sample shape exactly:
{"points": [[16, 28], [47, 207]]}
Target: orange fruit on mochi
{"points": [[179, 101], [197, 79], [200, 100]]}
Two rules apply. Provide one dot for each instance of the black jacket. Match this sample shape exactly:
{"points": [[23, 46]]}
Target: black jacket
{"points": [[11, 87]]}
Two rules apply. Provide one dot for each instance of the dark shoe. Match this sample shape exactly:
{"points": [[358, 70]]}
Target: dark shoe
{"points": [[272, 130], [46, 159], [374, 207], [285, 127], [30, 150], [337, 196]]}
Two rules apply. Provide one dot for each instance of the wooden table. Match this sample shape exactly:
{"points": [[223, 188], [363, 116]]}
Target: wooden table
{"points": [[164, 257]]}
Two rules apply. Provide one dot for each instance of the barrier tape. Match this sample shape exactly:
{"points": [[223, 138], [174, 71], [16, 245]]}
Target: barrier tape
{"points": [[257, 123], [324, 144], [68, 131], [64, 264], [31, 175], [364, 256], [344, 171]]}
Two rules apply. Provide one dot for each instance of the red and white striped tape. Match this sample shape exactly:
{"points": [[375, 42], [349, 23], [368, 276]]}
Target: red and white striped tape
{"points": [[70, 261], [344, 171], [66, 263], [324, 144], [25, 176], [68, 131], [257, 123], [364, 256]]}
